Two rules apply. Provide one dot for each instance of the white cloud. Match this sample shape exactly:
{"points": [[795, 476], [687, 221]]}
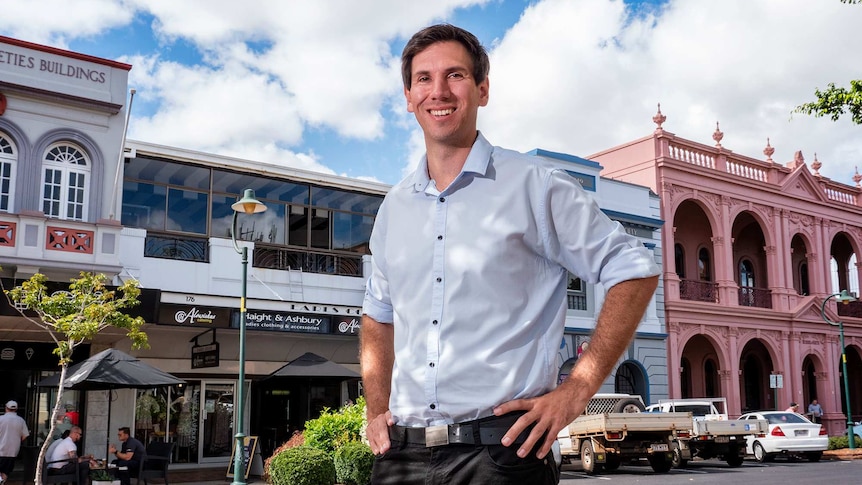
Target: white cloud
{"points": [[580, 77], [56, 22]]}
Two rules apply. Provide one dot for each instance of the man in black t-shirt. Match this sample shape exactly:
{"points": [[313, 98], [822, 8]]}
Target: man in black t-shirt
{"points": [[130, 455]]}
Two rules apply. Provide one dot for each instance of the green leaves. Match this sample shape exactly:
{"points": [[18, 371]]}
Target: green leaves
{"points": [[835, 102], [81, 312]]}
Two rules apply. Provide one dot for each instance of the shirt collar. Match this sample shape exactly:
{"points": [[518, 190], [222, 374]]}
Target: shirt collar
{"points": [[477, 162]]}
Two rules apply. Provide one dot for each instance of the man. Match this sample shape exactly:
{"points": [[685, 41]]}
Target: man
{"points": [[130, 455], [793, 408], [13, 430], [465, 306], [65, 459], [815, 411]]}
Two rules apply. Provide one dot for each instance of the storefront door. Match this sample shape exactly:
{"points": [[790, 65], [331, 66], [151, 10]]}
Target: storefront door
{"points": [[217, 420]]}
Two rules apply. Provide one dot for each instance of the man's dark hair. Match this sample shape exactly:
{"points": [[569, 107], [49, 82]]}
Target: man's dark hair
{"points": [[442, 33], [126, 430]]}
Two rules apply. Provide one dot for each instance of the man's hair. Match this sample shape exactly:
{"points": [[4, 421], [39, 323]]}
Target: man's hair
{"points": [[76, 429], [125, 430], [442, 33]]}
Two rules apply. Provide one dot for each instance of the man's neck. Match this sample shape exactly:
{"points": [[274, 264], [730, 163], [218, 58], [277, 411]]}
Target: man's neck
{"points": [[445, 162]]}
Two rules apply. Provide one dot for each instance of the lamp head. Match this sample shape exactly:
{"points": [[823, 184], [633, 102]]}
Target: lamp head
{"points": [[248, 204], [845, 297]]}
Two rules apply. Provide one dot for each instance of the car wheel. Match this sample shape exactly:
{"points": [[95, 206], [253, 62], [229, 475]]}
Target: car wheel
{"points": [[760, 454], [612, 462], [660, 462], [678, 461], [813, 456], [628, 406], [588, 458], [734, 460]]}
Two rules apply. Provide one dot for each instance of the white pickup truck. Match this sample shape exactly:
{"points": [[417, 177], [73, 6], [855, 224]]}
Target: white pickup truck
{"points": [[711, 434], [613, 429]]}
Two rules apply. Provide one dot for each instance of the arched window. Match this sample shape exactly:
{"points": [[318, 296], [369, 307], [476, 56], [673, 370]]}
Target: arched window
{"points": [[746, 274], [679, 260], [8, 163], [804, 288], [704, 265], [65, 182]]}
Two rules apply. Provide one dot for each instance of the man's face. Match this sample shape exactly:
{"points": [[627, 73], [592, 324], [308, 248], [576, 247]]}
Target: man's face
{"points": [[444, 96], [122, 436], [75, 435]]}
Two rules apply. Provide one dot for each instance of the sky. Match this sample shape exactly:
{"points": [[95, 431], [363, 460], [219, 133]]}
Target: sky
{"points": [[316, 84]]}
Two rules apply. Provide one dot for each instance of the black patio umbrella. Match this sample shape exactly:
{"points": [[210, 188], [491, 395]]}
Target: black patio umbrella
{"points": [[313, 365], [108, 370]]}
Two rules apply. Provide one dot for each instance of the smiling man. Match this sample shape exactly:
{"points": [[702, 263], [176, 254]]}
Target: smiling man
{"points": [[465, 306]]}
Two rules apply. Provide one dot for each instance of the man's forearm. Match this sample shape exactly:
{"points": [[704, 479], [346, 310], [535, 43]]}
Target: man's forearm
{"points": [[376, 357], [622, 311]]}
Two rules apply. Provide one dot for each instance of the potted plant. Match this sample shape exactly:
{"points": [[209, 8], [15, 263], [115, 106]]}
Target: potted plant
{"points": [[102, 477]]}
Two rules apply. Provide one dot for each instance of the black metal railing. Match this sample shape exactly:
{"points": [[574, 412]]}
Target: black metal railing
{"points": [[755, 297], [176, 247], [306, 261], [576, 301], [696, 290]]}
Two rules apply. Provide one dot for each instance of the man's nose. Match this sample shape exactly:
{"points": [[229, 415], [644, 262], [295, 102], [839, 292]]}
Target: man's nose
{"points": [[441, 88]]}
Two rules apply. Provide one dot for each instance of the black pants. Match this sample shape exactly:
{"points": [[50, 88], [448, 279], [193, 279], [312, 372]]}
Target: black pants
{"points": [[81, 468], [132, 467], [410, 464]]}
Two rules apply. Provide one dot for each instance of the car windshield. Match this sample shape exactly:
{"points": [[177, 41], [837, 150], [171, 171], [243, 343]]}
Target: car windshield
{"points": [[782, 418], [695, 409]]}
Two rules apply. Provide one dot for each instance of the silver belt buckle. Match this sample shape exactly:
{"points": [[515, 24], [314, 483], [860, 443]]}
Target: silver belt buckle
{"points": [[437, 435]]}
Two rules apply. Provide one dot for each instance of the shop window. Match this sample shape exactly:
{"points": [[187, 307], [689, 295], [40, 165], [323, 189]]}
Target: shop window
{"points": [[65, 182], [679, 260], [8, 163]]}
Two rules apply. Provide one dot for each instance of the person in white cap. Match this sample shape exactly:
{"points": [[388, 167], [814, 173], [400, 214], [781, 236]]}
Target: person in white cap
{"points": [[13, 430]]}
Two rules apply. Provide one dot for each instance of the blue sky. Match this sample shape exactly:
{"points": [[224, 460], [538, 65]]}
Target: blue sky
{"points": [[315, 85]]}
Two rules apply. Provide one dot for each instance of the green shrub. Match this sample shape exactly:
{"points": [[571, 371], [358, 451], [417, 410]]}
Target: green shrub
{"points": [[840, 442], [302, 465], [333, 429], [353, 463]]}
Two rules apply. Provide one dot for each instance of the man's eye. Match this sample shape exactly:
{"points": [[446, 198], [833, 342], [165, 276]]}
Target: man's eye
{"points": [[456, 75], [422, 79]]}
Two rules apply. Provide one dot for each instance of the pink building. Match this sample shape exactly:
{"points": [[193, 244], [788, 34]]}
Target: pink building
{"points": [[751, 248]]}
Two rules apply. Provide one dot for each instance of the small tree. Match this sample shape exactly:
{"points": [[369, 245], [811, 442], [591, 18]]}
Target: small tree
{"points": [[75, 316]]}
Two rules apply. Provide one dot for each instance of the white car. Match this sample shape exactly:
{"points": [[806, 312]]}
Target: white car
{"points": [[789, 433]]}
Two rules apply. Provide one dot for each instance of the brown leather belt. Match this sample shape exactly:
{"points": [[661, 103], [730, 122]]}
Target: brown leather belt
{"points": [[484, 431]]}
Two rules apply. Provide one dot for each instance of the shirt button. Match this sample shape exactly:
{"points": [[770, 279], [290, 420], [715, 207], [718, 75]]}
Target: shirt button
{"points": [[442, 199], [439, 279], [439, 238], [433, 406], [434, 322], [431, 364]]}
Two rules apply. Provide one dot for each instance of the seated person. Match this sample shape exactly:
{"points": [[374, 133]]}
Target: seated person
{"points": [[53, 445], [67, 449], [130, 455]]}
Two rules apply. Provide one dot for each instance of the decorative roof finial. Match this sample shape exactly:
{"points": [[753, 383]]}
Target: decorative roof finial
{"points": [[816, 165], [857, 178], [768, 151], [717, 136], [659, 118], [798, 159]]}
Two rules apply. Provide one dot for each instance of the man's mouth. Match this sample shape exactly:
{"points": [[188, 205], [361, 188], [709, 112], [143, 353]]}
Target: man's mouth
{"points": [[442, 112]]}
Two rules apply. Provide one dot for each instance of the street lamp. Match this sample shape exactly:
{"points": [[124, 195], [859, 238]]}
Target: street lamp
{"points": [[247, 205], [845, 298]]}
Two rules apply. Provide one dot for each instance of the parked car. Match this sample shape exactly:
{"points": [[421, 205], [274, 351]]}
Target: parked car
{"points": [[789, 434], [857, 431]]}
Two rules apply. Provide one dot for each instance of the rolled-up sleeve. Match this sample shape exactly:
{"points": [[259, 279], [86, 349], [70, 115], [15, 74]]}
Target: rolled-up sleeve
{"points": [[377, 303], [581, 238]]}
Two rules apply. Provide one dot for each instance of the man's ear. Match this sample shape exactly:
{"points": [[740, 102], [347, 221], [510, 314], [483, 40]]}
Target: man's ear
{"points": [[484, 88], [410, 106]]}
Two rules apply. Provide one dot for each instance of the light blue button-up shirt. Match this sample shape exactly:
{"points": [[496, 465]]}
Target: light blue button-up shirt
{"points": [[474, 280]]}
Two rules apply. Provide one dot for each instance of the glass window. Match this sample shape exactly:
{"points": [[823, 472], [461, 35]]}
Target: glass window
{"points": [[704, 265], [345, 201], [187, 211], [144, 205], [576, 293], [8, 163], [320, 228], [351, 232], [163, 172], [297, 226], [679, 260], [264, 188], [746, 274], [266, 227], [65, 178]]}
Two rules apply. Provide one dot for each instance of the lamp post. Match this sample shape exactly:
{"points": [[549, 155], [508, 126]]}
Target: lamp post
{"points": [[845, 298], [247, 205]]}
